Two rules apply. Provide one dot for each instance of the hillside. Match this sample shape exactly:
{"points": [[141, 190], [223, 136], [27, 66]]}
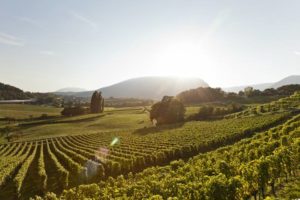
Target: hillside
{"points": [[8, 92], [147, 87], [294, 79]]}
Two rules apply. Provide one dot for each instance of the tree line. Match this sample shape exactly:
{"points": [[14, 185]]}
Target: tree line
{"points": [[207, 94]]}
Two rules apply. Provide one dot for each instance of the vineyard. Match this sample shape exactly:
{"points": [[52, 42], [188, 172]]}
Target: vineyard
{"points": [[291, 103], [251, 168], [149, 100], [36, 167]]}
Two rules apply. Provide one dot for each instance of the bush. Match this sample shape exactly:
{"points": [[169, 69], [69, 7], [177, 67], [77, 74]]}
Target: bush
{"points": [[72, 111]]}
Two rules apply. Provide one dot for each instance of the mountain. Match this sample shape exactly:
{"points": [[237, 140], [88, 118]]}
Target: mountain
{"points": [[11, 93], [294, 79], [70, 89], [147, 87]]}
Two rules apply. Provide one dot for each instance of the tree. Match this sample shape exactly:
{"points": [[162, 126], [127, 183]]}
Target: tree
{"points": [[288, 89], [168, 110], [270, 92], [205, 112], [248, 91], [97, 103]]}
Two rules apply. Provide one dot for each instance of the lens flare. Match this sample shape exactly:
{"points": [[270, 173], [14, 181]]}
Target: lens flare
{"points": [[102, 154], [115, 141]]}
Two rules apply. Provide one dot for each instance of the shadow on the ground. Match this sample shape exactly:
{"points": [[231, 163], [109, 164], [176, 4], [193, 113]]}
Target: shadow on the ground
{"points": [[64, 120]]}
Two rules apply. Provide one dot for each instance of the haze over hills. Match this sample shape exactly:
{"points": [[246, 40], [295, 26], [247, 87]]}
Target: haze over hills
{"points": [[147, 87], [144, 88], [157, 87], [71, 89], [293, 79]]}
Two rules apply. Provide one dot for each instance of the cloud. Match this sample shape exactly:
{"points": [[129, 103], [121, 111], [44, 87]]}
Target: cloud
{"points": [[297, 53], [84, 19], [9, 39], [47, 53]]}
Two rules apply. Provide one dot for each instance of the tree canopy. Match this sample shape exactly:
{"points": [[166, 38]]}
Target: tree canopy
{"points": [[168, 110], [201, 94]]}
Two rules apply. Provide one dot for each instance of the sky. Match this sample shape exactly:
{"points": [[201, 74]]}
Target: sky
{"points": [[46, 45]]}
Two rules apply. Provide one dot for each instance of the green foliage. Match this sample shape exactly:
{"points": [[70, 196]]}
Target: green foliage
{"points": [[290, 190], [82, 192], [62, 173], [19, 178], [10, 164], [41, 169]]}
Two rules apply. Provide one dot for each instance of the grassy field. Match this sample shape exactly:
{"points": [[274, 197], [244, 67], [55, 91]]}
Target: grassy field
{"points": [[113, 119], [189, 110], [23, 111]]}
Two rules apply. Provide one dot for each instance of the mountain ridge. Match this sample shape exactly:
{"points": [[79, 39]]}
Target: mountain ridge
{"points": [[292, 79], [71, 89], [149, 87]]}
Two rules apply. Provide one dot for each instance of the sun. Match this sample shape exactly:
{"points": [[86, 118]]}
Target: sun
{"points": [[182, 57]]}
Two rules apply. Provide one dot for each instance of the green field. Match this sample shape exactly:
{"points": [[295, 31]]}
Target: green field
{"points": [[23, 111], [113, 119]]}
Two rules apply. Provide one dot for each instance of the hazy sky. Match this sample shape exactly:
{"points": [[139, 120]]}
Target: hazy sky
{"points": [[49, 44]]}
